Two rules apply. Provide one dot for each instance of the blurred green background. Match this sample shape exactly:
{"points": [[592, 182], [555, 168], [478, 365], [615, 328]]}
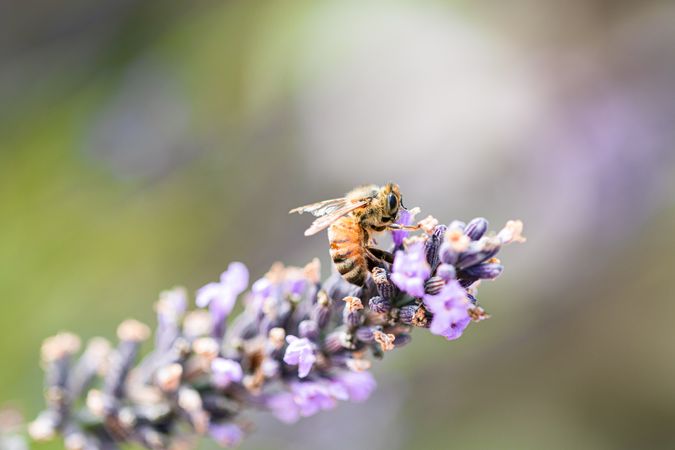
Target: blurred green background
{"points": [[148, 144]]}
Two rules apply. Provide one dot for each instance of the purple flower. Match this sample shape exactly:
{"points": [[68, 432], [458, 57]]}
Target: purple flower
{"points": [[295, 286], [411, 269], [170, 309], [225, 371], [405, 217], [450, 308], [311, 397], [204, 379], [359, 385], [232, 283], [300, 352], [262, 290], [283, 406], [226, 434], [220, 297]]}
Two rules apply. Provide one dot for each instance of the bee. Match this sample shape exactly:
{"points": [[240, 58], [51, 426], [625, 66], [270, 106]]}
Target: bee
{"points": [[350, 221]]}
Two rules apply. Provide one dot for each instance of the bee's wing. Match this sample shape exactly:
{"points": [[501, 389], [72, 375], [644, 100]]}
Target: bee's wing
{"points": [[325, 220], [321, 208]]}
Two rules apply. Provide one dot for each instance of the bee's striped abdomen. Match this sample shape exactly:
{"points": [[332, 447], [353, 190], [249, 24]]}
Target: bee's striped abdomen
{"points": [[347, 239]]}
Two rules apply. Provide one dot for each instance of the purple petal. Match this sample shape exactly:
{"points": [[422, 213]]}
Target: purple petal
{"points": [[206, 294], [305, 365], [404, 218], [283, 407], [225, 371], [300, 352], [236, 277], [226, 434], [456, 329], [450, 308], [295, 286], [411, 269], [359, 385]]}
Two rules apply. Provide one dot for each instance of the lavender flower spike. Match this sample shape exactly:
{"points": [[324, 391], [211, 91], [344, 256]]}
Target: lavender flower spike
{"points": [[299, 346], [300, 352]]}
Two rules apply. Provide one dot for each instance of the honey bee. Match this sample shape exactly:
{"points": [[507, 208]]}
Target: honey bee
{"points": [[350, 221]]}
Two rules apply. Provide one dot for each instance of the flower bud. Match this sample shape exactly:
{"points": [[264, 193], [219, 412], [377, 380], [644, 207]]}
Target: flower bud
{"points": [[402, 339], [168, 378], [447, 254], [465, 282], [308, 329], [352, 313], [379, 305], [385, 287], [486, 271], [206, 347], [60, 346], [322, 309], [433, 244], [43, 428], [446, 272], [334, 341], [434, 285], [478, 252], [277, 337], [364, 334], [352, 318], [133, 330], [476, 228], [197, 323], [406, 313]]}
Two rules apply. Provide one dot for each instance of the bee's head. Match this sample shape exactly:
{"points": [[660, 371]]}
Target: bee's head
{"points": [[392, 199]]}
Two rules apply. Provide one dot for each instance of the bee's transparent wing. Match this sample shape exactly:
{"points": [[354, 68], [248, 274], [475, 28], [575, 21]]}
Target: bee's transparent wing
{"points": [[325, 220], [321, 208]]}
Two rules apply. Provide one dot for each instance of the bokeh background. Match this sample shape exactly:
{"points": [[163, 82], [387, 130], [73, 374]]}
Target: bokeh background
{"points": [[145, 144]]}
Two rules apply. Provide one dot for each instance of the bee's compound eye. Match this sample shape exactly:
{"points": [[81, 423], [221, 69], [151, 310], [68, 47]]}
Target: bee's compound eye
{"points": [[393, 202]]}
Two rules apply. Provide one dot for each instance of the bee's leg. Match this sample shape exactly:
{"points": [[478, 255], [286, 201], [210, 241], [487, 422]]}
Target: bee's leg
{"points": [[381, 255], [398, 226], [374, 262]]}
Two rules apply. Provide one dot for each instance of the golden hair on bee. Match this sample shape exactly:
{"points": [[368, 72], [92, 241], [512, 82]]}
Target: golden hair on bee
{"points": [[350, 221]]}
